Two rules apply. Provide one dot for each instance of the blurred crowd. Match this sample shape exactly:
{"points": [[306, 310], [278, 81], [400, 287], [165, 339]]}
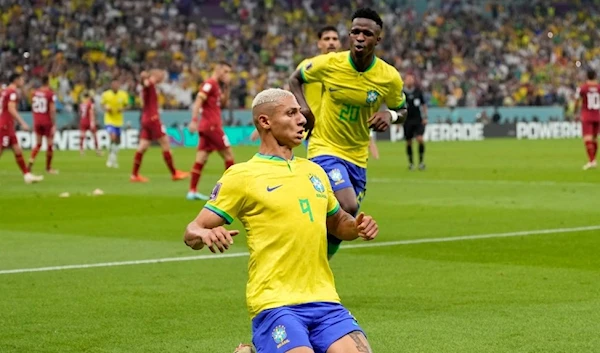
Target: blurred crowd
{"points": [[464, 53]]}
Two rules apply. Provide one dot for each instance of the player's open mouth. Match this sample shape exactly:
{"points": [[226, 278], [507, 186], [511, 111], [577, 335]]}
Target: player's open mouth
{"points": [[359, 47]]}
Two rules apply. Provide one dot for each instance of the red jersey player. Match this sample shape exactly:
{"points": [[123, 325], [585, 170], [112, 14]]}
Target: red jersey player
{"points": [[152, 128], [87, 122], [8, 114], [588, 96], [43, 107], [210, 127]]}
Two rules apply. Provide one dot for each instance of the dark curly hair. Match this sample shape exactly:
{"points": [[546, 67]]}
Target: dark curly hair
{"points": [[369, 14]]}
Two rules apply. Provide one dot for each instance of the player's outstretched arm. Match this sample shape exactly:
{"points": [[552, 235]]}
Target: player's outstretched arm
{"points": [[207, 229], [345, 227]]}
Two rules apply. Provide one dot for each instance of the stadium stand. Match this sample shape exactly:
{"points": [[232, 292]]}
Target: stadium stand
{"points": [[518, 53]]}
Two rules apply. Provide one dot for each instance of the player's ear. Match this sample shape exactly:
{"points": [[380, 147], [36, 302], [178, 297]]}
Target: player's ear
{"points": [[264, 122]]}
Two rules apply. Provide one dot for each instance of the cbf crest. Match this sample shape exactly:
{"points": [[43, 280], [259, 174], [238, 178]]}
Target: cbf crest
{"points": [[317, 183], [336, 176], [372, 97], [279, 336]]}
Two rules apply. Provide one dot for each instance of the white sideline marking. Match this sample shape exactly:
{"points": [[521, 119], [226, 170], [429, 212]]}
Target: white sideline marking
{"points": [[351, 246], [480, 182]]}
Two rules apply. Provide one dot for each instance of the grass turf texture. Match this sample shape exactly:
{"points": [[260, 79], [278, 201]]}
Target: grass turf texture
{"points": [[537, 293]]}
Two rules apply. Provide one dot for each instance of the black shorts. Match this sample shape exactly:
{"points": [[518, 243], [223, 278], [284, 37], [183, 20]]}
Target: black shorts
{"points": [[412, 130]]}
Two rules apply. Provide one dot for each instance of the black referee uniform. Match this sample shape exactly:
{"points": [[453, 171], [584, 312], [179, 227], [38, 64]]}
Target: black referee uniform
{"points": [[413, 126]]}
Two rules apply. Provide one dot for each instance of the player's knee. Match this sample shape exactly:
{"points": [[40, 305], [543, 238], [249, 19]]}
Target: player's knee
{"points": [[409, 142], [588, 138]]}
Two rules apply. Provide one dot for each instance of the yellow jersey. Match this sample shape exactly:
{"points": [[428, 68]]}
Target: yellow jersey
{"points": [[115, 101], [283, 205], [349, 99], [312, 91]]}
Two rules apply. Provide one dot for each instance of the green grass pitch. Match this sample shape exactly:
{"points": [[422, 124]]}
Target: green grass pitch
{"points": [[536, 292]]}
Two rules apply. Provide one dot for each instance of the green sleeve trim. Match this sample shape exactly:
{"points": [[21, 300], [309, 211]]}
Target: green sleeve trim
{"points": [[228, 219], [400, 106], [334, 211], [303, 75]]}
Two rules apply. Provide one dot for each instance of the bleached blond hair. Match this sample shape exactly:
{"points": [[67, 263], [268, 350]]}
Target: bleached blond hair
{"points": [[270, 95]]}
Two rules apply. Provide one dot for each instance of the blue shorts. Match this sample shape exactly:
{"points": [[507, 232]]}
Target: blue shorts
{"points": [[113, 130], [316, 325], [343, 174]]}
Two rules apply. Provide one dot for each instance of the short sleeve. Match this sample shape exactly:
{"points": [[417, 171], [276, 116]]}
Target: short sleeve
{"points": [[395, 98], [103, 98], [315, 69], [333, 206], [13, 97], [53, 98], [207, 88], [228, 195]]}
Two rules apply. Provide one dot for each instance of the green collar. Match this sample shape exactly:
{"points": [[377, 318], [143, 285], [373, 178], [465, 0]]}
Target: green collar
{"points": [[272, 158], [354, 66]]}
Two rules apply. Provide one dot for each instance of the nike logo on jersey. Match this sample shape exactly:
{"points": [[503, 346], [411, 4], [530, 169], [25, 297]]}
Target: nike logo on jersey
{"points": [[331, 89], [269, 189]]}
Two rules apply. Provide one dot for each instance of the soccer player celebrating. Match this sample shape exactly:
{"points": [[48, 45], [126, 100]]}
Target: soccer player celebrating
{"points": [[291, 294], [588, 99], [9, 113], [328, 42], [210, 127], [114, 101], [87, 122], [43, 107], [355, 85], [152, 128], [416, 119]]}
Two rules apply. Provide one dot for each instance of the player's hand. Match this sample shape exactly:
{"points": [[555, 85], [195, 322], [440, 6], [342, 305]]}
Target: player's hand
{"points": [[424, 121], [367, 227], [192, 127], [53, 130], [25, 127], [380, 121], [219, 238]]}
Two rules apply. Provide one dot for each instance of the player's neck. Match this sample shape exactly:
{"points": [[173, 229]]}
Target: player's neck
{"points": [[362, 64], [272, 148]]}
